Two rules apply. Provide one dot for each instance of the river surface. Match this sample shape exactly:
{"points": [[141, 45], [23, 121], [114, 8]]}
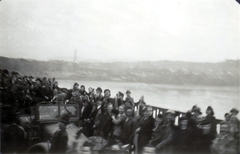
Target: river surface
{"points": [[180, 98]]}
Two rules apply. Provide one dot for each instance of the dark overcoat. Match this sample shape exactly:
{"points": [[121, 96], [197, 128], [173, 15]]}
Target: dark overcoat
{"points": [[145, 133], [59, 142]]}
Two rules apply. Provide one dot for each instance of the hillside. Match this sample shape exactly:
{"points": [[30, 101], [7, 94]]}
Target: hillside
{"points": [[162, 72]]}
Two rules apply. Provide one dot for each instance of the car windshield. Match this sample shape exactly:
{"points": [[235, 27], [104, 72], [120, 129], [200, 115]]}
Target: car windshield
{"points": [[71, 110], [48, 113], [52, 112]]}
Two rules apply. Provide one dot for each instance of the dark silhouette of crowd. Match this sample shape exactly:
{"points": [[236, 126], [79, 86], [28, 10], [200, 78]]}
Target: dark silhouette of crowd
{"points": [[119, 120]]}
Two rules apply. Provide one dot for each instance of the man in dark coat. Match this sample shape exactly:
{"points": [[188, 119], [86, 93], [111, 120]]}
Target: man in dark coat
{"points": [[212, 120], [106, 122], [14, 136], [118, 100], [128, 128], [94, 117], [163, 143], [85, 112], [146, 124], [59, 142], [157, 126], [107, 98], [183, 137]]}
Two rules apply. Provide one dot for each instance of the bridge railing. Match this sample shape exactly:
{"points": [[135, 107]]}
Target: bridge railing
{"points": [[178, 115]]}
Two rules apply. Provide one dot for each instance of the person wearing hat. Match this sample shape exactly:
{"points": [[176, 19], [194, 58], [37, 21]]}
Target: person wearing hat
{"points": [[195, 113], [128, 127], [158, 126], [107, 99], [234, 112], [76, 86], [183, 137], [235, 125], [144, 130], [59, 140], [14, 136], [82, 90], [85, 112], [106, 124], [163, 142], [212, 120], [227, 117], [129, 99], [95, 117], [118, 122], [98, 94], [118, 100]]}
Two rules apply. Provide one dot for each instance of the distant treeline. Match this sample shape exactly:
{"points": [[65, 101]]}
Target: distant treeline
{"points": [[162, 72]]}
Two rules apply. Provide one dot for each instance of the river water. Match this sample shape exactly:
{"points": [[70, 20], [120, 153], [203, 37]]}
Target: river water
{"points": [[181, 98]]}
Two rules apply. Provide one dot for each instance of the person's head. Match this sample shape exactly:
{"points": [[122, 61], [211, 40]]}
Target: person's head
{"points": [[25, 78], [128, 93], [200, 119], [99, 90], [129, 112], [206, 127], [55, 84], [209, 111], [227, 116], [85, 103], [30, 78], [169, 115], [121, 109], [147, 112], [158, 120], [195, 112], [109, 108], [183, 122], [90, 89], [234, 112], [120, 95], [107, 93], [224, 128], [82, 88], [98, 102], [128, 104], [38, 81], [76, 86], [64, 121]]}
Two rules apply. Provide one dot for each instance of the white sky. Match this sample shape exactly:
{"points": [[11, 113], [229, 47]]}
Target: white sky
{"points": [[120, 30]]}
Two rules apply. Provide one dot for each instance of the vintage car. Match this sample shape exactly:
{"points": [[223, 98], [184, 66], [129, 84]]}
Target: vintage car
{"points": [[42, 122]]}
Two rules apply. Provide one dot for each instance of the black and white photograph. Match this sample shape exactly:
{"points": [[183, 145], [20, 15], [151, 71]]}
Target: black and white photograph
{"points": [[120, 76]]}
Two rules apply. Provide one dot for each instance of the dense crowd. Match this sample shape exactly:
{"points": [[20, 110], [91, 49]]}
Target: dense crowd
{"points": [[116, 120]]}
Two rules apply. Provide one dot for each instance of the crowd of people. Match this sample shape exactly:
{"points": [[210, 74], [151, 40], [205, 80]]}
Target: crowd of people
{"points": [[116, 120]]}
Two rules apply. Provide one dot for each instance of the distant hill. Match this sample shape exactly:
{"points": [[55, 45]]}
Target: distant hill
{"points": [[162, 72]]}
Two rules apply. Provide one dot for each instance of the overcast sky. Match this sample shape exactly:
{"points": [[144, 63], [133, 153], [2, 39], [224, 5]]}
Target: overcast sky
{"points": [[120, 30]]}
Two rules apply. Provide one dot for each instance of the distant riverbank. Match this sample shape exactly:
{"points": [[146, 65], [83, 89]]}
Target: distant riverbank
{"points": [[152, 72]]}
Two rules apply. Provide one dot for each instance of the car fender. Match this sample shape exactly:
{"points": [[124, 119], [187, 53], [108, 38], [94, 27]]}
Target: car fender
{"points": [[42, 147]]}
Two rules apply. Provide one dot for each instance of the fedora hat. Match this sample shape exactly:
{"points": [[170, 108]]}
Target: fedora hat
{"points": [[128, 91], [99, 89], [234, 110], [64, 118]]}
